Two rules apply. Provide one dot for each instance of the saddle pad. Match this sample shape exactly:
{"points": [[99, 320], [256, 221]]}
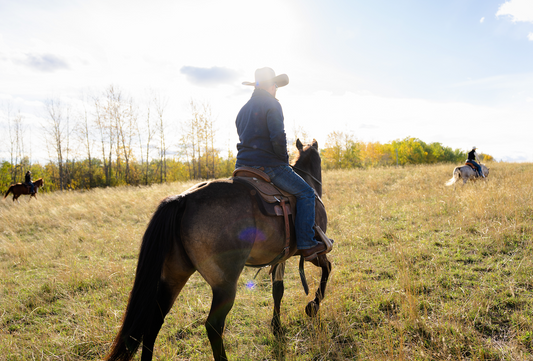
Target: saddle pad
{"points": [[471, 165]]}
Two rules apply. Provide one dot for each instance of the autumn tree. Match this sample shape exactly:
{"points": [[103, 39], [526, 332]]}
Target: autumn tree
{"points": [[160, 104], [113, 119], [341, 151], [148, 132], [56, 130], [197, 140], [85, 136], [16, 131], [106, 136]]}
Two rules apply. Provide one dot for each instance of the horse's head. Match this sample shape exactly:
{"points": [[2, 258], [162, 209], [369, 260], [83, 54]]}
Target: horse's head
{"points": [[39, 182], [308, 164], [485, 169]]}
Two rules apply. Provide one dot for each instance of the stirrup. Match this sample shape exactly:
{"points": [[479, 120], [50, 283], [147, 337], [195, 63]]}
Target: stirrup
{"points": [[327, 241]]}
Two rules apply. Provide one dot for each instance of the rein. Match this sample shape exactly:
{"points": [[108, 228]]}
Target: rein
{"points": [[307, 173]]}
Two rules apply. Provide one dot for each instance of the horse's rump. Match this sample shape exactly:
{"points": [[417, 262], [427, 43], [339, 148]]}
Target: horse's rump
{"points": [[231, 218]]}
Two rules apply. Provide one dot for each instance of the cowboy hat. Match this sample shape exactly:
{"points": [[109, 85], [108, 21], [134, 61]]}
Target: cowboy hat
{"points": [[267, 76]]}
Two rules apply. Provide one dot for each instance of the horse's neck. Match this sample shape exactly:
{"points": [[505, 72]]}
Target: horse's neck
{"points": [[316, 186]]}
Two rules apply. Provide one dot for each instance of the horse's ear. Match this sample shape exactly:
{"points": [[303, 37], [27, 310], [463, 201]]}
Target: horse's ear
{"points": [[314, 144], [299, 144]]}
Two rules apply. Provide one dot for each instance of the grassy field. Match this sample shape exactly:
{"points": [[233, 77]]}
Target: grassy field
{"points": [[420, 272]]}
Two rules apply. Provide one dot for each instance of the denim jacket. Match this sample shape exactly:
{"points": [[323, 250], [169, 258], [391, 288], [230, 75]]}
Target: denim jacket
{"points": [[262, 139]]}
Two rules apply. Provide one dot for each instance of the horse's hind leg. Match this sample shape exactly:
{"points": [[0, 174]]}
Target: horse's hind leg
{"points": [[176, 273], [278, 289], [223, 298], [312, 307], [222, 277], [164, 301]]}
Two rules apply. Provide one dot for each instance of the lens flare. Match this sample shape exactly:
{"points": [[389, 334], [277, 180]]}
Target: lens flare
{"points": [[251, 235], [250, 285]]}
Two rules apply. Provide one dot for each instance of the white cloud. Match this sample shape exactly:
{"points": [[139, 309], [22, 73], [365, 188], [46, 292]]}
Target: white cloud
{"points": [[519, 10], [210, 76], [482, 19], [530, 36], [45, 62]]}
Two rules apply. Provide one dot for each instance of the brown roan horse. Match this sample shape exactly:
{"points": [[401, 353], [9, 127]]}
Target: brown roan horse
{"points": [[215, 228], [20, 188]]}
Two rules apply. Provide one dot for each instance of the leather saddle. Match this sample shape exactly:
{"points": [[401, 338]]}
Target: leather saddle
{"points": [[270, 198], [471, 165], [274, 201]]}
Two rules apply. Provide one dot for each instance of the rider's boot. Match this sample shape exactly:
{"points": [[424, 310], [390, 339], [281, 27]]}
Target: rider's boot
{"points": [[312, 253]]}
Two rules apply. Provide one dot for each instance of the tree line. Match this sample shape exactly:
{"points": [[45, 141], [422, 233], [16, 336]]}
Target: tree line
{"points": [[109, 140], [343, 151]]}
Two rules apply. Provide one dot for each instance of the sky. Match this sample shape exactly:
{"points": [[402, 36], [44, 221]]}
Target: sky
{"points": [[457, 72]]}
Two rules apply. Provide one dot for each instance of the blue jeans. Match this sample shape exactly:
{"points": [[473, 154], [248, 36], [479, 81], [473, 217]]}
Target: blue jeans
{"points": [[479, 171], [285, 178]]}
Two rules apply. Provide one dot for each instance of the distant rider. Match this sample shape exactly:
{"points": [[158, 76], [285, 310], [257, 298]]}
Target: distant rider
{"points": [[29, 182], [473, 159]]}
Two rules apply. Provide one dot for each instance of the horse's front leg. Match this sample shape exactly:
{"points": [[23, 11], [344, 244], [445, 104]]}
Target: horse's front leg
{"points": [[278, 288], [312, 307]]}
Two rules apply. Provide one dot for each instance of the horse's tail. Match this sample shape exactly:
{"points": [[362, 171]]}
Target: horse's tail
{"points": [[455, 177], [157, 241], [9, 190]]}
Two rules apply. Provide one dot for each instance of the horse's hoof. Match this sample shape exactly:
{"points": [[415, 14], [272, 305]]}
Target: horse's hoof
{"points": [[276, 328], [312, 309]]}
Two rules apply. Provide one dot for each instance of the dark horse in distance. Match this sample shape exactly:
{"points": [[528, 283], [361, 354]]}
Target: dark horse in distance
{"points": [[20, 188], [215, 228]]}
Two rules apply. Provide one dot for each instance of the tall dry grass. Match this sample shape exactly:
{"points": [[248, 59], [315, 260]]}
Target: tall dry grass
{"points": [[421, 272]]}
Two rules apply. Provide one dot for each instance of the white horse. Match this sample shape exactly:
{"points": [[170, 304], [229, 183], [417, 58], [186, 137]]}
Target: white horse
{"points": [[466, 172]]}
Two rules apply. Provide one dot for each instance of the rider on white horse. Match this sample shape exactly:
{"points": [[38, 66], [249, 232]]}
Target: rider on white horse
{"points": [[473, 158]]}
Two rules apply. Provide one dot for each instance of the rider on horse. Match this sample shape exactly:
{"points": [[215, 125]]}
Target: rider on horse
{"points": [[472, 158], [263, 145], [29, 182]]}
